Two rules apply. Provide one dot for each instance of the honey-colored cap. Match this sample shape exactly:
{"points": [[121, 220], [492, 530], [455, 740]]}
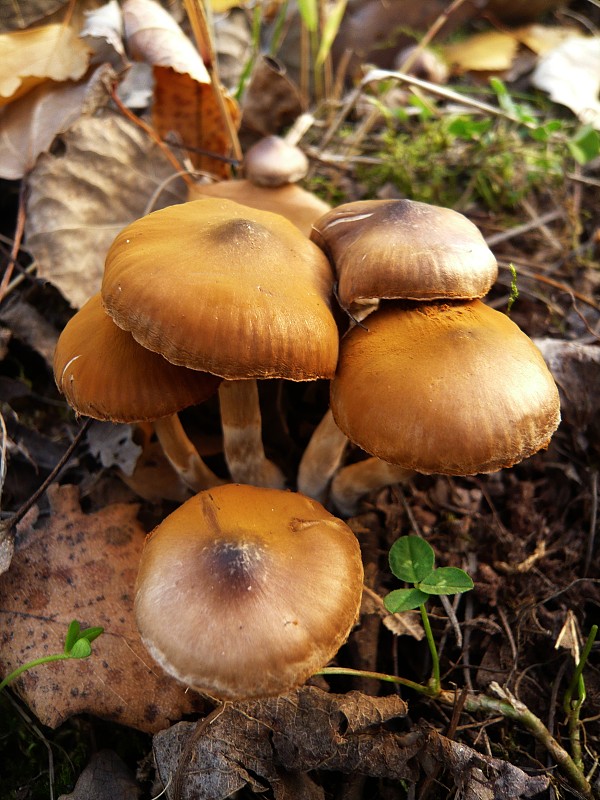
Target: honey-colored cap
{"points": [[455, 389], [105, 374], [217, 286]]}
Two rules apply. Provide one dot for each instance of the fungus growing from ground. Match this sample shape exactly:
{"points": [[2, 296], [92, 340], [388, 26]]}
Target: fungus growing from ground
{"points": [[241, 293], [105, 374], [404, 249], [389, 249], [246, 592], [272, 168], [451, 388]]}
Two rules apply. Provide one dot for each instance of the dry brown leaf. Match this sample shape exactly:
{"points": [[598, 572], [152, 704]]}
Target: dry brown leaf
{"points": [[492, 51], [81, 197], [153, 36], [18, 16], [272, 101], [103, 32], [30, 124], [189, 108], [80, 566], [276, 743], [105, 777], [52, 52], [273, 742], [184, 99]]}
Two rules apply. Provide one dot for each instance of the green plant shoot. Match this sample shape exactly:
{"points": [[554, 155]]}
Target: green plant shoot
{"points": [[514, 289], [78, 644], [412, 560]]}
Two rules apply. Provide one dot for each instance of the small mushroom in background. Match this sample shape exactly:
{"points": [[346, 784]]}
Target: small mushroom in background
{"points": [[105, 374], [272, 167], [246, 592], [241, 293]]}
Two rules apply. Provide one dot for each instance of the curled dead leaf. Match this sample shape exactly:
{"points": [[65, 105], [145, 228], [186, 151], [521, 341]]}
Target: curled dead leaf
{"points": [[27, 58], [107, 174]]}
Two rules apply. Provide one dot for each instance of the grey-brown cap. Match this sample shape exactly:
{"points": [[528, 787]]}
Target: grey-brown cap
{"points": [[274, 162], [246, 592], [453, 388], [403, 249]]}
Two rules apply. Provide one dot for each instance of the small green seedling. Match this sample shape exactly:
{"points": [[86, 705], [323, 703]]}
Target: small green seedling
{"points": [[78, 644], [412, 560]]}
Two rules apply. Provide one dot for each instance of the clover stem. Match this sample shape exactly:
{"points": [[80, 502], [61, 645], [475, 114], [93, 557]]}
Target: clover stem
{"points": [[35, 663], [435, 661], [361, 673]]}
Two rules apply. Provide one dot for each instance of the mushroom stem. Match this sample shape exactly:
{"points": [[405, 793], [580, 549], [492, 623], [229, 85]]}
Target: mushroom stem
{"points": [[322, 458], [356, 480], [183, 456], [242, 436]]}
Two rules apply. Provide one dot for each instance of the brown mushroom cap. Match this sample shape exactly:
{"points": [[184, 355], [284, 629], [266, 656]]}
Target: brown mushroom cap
{"points": [[300, 207], [217, 286], [403, 249], [274, 162], [105, 374], [246, 592], [455, 389]]}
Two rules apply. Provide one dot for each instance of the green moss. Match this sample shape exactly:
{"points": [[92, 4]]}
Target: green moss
{"points": [[453, 161]]}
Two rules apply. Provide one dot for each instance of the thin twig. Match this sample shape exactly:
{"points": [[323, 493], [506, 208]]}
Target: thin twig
{"points": [[9, 524], [153, 135], [593, 522], [16, 243], [518, 230]]}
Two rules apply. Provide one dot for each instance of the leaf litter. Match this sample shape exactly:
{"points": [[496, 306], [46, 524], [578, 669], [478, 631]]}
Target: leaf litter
{"points": [[521, 533]]}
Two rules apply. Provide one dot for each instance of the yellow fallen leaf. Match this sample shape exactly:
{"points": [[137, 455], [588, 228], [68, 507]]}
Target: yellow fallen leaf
{"points": [[492, 51], [27, 58], [543, 38]]}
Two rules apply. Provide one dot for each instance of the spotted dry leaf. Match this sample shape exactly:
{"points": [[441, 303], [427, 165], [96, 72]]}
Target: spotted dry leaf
{"points": [[83, 566]]}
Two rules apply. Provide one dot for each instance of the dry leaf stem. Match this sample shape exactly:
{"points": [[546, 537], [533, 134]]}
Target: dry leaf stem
{"points": [[505, 705]]}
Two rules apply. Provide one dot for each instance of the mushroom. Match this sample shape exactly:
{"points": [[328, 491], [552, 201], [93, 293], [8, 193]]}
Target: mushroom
{"points": [[394, 249], [272, 161], [404, 249], [105, 374], [241, 293], [272, 167], [451, 388], [246, 592]]}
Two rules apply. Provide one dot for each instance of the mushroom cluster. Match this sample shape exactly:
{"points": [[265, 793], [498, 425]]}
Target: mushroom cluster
{"points": [[246, 589]]}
